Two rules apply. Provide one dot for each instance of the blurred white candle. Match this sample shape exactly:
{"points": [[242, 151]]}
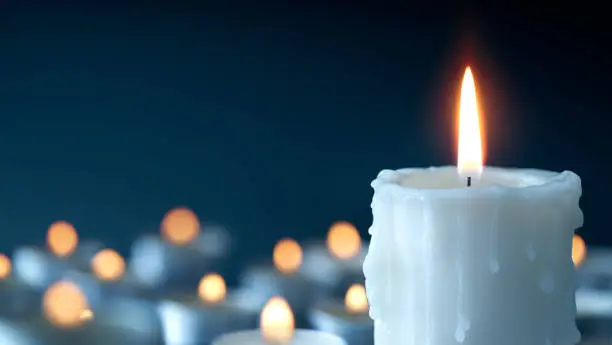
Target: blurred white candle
{"points": [[349, 320], [198, 318], [17, 298], [66, 320], [277, 326], [284, 279], [337, 263], [480, 265], [39, 268], [182, 253]]}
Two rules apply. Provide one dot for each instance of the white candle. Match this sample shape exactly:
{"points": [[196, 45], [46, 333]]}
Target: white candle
{"points": [[17, 298], [262, 282], [480, 265], [198, 318], [65, 320], [277, 326], [39, 268], [337, 263], [180, 255], [349, 320]]}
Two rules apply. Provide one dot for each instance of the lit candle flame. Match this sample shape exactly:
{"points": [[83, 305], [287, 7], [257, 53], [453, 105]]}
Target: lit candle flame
{"points": [[212, 288], [108, 265], [87, 315], [355, 300], [62, 239], [277, 322], [64, 304], [180, 226], [343, 240], [579, 250], [287, 256], [5, 266], [470, 155]]}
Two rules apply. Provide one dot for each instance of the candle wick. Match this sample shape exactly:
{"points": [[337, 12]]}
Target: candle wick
{"points": [[469, 181]]}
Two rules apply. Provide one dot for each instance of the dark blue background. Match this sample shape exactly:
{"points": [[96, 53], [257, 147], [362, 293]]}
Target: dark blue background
{"points": [[274, 119]]}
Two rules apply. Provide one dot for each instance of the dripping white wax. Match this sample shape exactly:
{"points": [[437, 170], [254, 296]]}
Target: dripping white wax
{"points": [[488, 264]]}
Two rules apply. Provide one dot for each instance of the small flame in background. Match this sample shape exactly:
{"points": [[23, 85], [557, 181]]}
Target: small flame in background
{"points": [[5, 266], [343, 240], [277, 322], [287, 256], [212, 288], [62, 239], [579, 250], [108, 265], [64, 305], [470, 157], [180, 226], [355, 300]]}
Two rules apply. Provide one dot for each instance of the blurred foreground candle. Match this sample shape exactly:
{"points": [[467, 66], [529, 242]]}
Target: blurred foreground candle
{"points": [[277, 326], [181, 255], [262, 282], [197, 319], [116, 296], [66, 320], [39, 268], [473, 254], [348, 320], [337, 263], [16, 299]]}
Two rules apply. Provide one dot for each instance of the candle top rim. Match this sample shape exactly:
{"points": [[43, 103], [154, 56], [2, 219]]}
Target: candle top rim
{"points": [[445, 182], [305, 336]]}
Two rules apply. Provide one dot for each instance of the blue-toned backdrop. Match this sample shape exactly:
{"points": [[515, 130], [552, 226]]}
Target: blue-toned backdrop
{"points": [[274, 122]]}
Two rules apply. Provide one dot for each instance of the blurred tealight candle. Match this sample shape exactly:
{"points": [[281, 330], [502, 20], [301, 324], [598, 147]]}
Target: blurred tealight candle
{"points": [[66, 319], [349, 320], [338, 263], [17, 298], [40, 267], [594, 292], [283, 278], [180, 255], [277, 326], [198, 318]]}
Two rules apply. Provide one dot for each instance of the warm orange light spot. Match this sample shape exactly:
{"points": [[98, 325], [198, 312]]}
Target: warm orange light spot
{"points": [[579, 250], [5, 266], [87, 315], [64, 304], [355, 300], [180, 226], [212, 288], [469, 159], [287, 256], [276, 321], [62, 238], [107, 264], [343, 240]]}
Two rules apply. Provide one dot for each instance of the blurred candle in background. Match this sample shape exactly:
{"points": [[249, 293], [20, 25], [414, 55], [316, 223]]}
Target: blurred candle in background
{"points": [[283, 278], [190, 318], [178, 257], [277, 326], [16, 299], [66, 320], [337, 264], [39, 268], [348, 319]]}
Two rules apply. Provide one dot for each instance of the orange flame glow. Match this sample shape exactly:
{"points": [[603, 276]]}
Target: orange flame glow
{"points": [[470, 155]]}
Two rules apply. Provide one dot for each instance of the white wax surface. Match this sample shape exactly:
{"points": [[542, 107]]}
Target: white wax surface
{"points": [[488, 264], [300, 337]]}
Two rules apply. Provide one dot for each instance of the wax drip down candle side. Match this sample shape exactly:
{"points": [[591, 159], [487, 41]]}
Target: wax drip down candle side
{"points": [[478, 265]]}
